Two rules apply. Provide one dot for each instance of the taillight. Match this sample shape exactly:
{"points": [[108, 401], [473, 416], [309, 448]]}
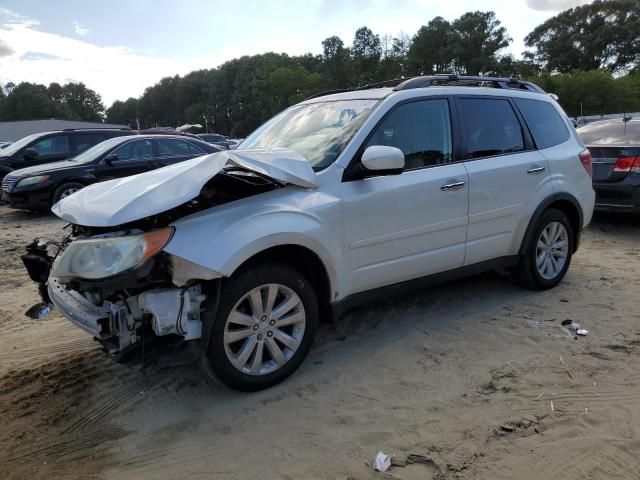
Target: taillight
{"points": [[585, 158], [627, 164]]}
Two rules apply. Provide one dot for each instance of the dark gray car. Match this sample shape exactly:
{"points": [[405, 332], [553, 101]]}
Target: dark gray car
{"points": [[615, 149]]}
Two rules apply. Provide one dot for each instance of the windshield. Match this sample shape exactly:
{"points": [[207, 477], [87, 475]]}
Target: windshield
{"points": [[23, 142], [317, 131], [97, 150]]}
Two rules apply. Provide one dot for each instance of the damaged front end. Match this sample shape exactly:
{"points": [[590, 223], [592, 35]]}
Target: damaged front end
{"points": [[112, 277], [151, 297]]}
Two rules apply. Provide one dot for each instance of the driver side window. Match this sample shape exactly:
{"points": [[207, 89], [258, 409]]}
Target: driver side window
{"points": [[56, 145], [421, 129], [136, 150]]}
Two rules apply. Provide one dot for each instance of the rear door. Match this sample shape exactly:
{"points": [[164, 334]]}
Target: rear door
{"points": [[84, 140], [135, 156], [174, 150], [507, 176], [406, 226]]}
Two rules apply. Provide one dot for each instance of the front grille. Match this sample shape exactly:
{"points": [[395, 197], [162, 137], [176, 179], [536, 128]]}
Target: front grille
{"points": [[8, 183]]}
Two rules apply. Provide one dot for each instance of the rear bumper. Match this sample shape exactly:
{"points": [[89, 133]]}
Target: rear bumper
{"points": [[621, 196]]}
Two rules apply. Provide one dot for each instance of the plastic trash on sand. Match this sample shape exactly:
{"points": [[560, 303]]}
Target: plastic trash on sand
{"points": [[382, 462], [575, 327]]}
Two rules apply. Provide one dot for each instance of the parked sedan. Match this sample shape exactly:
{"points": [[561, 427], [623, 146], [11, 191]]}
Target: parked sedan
{"points": [[39, 187], [615, 149]]}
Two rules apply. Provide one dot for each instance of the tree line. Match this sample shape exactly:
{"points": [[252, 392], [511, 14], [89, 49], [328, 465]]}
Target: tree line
{"points": [[588, 55]]}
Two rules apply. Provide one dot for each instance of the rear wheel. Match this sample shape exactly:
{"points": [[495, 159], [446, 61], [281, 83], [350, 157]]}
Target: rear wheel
{"points": [[547, 254], [264, 327], [65, 190]]}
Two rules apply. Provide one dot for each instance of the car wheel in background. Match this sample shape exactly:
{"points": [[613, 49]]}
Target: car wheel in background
{"points": [[65, 190], [548, 252], [264, 327]]}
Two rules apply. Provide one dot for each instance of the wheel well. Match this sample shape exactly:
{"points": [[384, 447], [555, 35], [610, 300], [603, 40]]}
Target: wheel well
{"points": [[306, 262], [64, 182], [571, 211]]}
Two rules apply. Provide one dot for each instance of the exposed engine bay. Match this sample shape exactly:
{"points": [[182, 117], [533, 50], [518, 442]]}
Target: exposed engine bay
{"points": [[162, 296]]}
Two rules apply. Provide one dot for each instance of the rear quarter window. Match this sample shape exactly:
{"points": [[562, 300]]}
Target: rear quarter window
{"points": [[544, 121]]}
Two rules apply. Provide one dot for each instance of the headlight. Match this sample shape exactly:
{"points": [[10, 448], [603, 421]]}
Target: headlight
{"points": [[32, 180], [104, 257]]}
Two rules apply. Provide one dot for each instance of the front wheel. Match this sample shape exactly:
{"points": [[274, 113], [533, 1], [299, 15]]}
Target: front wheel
{"points": [[547, 254], [64, 190], [264, 327]]}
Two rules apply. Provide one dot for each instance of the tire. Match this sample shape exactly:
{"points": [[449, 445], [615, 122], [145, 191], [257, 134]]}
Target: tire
{"points": [[533, 274], [65, 190], [259, 332]]}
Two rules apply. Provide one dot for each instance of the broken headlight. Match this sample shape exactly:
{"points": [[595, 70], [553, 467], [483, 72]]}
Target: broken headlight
{"points": [[104, 257]]}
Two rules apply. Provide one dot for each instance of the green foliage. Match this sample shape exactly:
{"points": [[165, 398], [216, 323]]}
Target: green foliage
{"points": [[433, 47], [478, 37], [30, 101], [594, 92], [603, 34]]}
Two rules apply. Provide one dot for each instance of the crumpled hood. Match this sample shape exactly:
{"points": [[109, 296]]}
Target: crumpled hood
{"points": [[124, 200]]}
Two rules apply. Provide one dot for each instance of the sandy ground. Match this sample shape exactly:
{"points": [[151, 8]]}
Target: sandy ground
{"points": [[477, 377]]}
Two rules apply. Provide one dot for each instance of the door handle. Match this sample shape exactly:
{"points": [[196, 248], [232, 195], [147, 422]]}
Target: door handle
{"points": [[452, 186], [535, 170]]}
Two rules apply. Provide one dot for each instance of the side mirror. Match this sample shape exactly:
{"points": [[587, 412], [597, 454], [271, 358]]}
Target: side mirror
{"points": [[30, 153], [109, 159], [380, 157]]}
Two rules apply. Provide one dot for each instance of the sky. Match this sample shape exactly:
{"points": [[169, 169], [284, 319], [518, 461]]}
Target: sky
{"points": [[120, 47]]}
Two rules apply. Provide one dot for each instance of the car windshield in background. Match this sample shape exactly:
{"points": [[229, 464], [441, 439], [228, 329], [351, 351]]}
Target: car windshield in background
{"points": [[611, 133], [317, 131], [14, 147], [97, 150]]}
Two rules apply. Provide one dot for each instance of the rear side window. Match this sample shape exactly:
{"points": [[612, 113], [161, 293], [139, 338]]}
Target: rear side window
{"points": [[87, 140], [544, 121], [195, 150], [421, 129], [169, 147], [491, 127]]}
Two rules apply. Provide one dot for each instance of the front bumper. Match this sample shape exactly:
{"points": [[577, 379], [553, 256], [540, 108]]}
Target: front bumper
{"points": [[28, 200]]}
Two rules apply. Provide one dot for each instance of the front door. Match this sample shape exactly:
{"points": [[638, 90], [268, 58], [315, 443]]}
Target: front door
{"points": [[399, 227], [53, 148]]}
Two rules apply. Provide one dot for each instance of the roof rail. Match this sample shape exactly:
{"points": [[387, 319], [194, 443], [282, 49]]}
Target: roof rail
{"points": [[465, 80], [384, 83], [93, 128], [441, 80]]}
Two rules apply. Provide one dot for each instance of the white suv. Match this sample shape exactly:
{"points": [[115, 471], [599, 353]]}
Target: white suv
{"points": [[241, 253]]}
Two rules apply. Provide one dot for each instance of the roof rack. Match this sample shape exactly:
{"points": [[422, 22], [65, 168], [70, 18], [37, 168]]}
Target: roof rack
{"points": [[442, 80], [464, 80]]}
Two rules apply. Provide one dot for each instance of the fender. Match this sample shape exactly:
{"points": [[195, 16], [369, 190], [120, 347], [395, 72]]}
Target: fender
{"points": [[542, 207], [224, 242], [4, 171]]}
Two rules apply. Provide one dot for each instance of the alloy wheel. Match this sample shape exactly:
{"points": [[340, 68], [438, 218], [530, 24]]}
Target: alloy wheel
{"points": [[552, 250], [264, 329]]}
